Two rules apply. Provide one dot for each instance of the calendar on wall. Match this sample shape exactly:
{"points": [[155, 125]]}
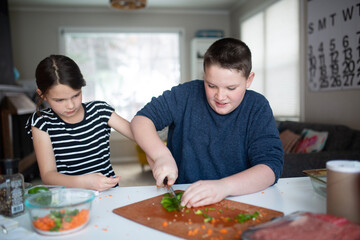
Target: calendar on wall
{"points": [[333, 50]]}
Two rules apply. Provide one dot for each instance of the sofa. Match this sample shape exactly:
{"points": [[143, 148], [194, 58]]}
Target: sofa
{"points": [[342, 143]]}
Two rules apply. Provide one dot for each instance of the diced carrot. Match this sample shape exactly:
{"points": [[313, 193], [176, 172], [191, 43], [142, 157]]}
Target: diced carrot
{"points": [[193, 232], [165, 224], [223, 231]]}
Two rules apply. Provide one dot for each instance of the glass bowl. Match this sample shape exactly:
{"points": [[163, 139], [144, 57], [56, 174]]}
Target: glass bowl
{"points": [[318, 180], [59, 211]]}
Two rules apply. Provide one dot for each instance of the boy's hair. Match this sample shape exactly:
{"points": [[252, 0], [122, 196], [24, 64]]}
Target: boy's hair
{"points": [[57, 69], [229, 53]]}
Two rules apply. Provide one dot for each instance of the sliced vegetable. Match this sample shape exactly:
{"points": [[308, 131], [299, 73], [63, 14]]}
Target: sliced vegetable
{"points": [[38, 190], [169, 203]]}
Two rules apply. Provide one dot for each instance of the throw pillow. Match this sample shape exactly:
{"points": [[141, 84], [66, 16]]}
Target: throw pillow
{"points": [[289, 140], [311, 141]]}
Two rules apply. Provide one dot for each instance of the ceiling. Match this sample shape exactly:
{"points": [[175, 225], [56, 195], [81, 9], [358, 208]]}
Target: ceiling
{"points": [[203, 5]]}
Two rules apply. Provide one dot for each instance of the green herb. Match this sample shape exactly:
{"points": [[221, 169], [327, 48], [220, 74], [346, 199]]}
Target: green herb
{"points": [[207, 218], [56, 214], [198, 212], [245, 217], [72, 213]]}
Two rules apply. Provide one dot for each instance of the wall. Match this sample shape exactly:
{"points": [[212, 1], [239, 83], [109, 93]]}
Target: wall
{"points": [[35, 36], [332, 107]]}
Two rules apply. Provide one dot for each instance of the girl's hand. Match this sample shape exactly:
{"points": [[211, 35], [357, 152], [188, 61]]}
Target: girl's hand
{"points": [[203, 193], [99, 182]]}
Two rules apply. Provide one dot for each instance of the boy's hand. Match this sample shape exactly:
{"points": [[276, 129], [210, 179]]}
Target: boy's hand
{"points": [[203, 193], [165, 167], [99, 182]]}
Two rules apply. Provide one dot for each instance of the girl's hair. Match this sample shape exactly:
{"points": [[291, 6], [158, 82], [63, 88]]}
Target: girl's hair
{"points": [[54, 70], [229, 53]]}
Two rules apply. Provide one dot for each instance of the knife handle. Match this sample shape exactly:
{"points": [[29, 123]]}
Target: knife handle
{"points": [[165, 181]]}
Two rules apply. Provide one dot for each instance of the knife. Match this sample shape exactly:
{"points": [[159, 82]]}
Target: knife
{"points": [[172, 193]]}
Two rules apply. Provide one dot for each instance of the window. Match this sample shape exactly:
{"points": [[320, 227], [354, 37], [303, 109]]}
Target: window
{"points": [[124, 68], [273, 38]]}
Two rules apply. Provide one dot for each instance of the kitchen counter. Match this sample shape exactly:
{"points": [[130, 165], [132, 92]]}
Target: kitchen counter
{"points": [[288, 195]]}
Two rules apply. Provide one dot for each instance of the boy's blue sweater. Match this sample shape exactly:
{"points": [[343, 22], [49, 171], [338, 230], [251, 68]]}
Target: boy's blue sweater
{"points": [[207, 145]]}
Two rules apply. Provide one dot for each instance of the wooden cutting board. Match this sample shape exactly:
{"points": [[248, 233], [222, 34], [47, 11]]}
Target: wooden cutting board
{"points": [[186, 224]]}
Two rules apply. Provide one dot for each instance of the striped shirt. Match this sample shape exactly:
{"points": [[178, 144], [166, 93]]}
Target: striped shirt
{"points": [[79, 148]]}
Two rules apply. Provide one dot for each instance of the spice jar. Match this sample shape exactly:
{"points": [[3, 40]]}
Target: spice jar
{"points": [[11, 188]]}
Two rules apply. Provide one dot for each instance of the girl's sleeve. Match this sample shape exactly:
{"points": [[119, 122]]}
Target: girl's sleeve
{"points": [[35, 121], [104, 109]]}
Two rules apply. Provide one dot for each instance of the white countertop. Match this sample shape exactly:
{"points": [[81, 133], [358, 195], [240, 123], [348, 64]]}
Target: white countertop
{"points": [[288, 195]]}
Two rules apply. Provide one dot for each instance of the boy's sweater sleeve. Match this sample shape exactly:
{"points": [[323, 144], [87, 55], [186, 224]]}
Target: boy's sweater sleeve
{"points": [[265, 146]]}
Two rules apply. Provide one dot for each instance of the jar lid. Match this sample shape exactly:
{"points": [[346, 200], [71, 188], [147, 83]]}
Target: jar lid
{"points": [[343, 166], [9, 165]]}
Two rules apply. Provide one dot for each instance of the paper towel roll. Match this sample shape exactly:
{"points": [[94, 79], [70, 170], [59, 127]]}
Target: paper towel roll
{"points": [[343, 189]]}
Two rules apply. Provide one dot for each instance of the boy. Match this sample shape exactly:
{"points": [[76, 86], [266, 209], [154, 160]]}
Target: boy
{"points": [[222, 137]]}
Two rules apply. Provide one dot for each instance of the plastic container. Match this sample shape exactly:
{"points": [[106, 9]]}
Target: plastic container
{"points": [[60, 211]]}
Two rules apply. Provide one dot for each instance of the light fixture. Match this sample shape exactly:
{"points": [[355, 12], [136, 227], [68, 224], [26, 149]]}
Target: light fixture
{"points": [[128, 4]]}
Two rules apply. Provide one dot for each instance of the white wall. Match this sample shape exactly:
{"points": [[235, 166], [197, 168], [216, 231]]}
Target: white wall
{"points": [[34, 34]]}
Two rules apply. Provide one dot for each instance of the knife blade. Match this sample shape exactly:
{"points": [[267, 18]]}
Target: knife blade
{"points": [[172, 193]]}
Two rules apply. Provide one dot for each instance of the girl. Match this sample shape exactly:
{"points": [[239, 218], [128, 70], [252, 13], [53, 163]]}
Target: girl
{"points": [[71, 138]]}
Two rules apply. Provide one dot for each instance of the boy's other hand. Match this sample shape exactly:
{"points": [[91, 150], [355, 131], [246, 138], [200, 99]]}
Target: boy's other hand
{"points": [[203, 193]]}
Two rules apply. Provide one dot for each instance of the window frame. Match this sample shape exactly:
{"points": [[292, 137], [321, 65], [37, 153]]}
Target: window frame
{"points": [[180, 31]]}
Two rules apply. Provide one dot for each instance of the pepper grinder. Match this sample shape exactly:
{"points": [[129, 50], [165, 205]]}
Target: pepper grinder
{"points": [[11, 188]]}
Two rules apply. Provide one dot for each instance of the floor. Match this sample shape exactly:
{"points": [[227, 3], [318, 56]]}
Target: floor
{"points": [[132, 174]]}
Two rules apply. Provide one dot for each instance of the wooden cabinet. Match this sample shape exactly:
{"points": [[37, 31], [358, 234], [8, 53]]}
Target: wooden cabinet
{"points": [[16, 108], [198, 49]]}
